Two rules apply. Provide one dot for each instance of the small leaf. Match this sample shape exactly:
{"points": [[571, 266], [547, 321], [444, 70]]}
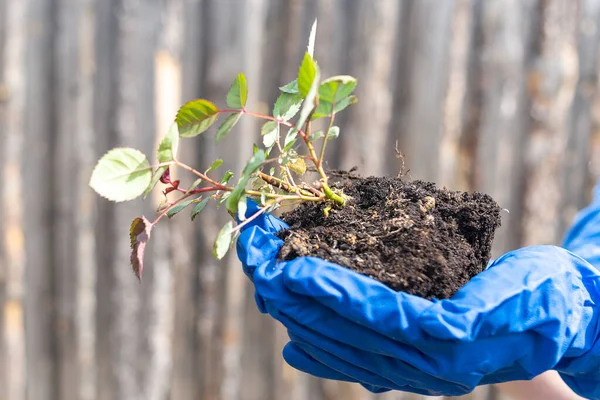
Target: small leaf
{"points": [[311, 39], [238, 93], [253, 164], [298, 166], [225, 179], [227, 126], [289, 145], [180, 206], [139, 234], [195, 184], [121, 174], [287, 106], [263, 198], [241, 208], [311, 100], [324, 109], [167, 149], [333, 132], [291, 88], [336, 88], [223, 240], [216, 164], [291, 136], [195, 117], [270, 133], [272, 171], [157, 176], [306, 74], [315, 136], [198, 208]]}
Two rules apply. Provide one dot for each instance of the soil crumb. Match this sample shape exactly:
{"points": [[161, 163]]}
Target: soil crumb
{"points": [[409, 235]]}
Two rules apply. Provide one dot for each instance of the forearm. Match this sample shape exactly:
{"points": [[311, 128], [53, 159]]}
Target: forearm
{"points": [[547, 386]]}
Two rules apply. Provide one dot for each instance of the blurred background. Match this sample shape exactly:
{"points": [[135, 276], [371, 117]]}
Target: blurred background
{"points": [[499, 96]]}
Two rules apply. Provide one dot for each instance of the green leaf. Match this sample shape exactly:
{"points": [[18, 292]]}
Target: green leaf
{"points": [[121, 174], [155, 178], [223, 240], [180, 206], [225, 179], [291, 88], [167, 149], [216, 164], [195, 117], [253, 164], [195, 184], [291, 136], [241, 208], [287, 106], [198, 208], [238, 93], [315, 136], [324, 109], [336, 88], [311, 39], [306, 74], [139, 234], [333, 132], [298, 166], [311, 100], [270, 133], [227, 126]]}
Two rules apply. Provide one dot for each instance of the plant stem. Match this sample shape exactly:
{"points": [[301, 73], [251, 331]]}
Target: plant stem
{"points": [[311, 150], [284, 197], [166, 210], [202, 176], [249, 219], [331, 119]]}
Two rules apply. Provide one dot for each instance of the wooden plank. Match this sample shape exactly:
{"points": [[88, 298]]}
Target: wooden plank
{"points": [[552, 87], [40, 217], [427, 77], [74, 242], [508, 36], [575, 167], [372, 62], [12, 246], [105, 107]]}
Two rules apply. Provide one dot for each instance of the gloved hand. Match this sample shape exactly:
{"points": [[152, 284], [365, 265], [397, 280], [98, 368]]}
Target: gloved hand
{"points": [[532, 310]]}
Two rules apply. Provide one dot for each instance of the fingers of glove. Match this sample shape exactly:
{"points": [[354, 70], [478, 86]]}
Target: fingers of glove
{"points": [[292, 308], [367, 378], [356, 297], [298, 359], [256, 246], [266, 221], [454, 361], [394, 370]]}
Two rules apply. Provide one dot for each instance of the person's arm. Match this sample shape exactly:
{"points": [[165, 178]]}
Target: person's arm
{"points": [[547, 386]]}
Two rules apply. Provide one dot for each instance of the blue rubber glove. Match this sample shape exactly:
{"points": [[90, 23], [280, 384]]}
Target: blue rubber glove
{"points": [[532, 310]]}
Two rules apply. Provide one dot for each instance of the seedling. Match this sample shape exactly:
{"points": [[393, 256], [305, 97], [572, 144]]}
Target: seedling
{"points": [[272, 177]]}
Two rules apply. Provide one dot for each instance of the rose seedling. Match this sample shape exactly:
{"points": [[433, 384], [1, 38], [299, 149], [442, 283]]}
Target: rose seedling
{"points": [[272, 177]]}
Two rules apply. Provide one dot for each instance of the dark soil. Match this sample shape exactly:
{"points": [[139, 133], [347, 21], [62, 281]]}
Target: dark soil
{"points": [[409, 235]]}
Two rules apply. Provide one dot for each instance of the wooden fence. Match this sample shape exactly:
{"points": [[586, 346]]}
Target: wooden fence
{"points": [[494, 95]]}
